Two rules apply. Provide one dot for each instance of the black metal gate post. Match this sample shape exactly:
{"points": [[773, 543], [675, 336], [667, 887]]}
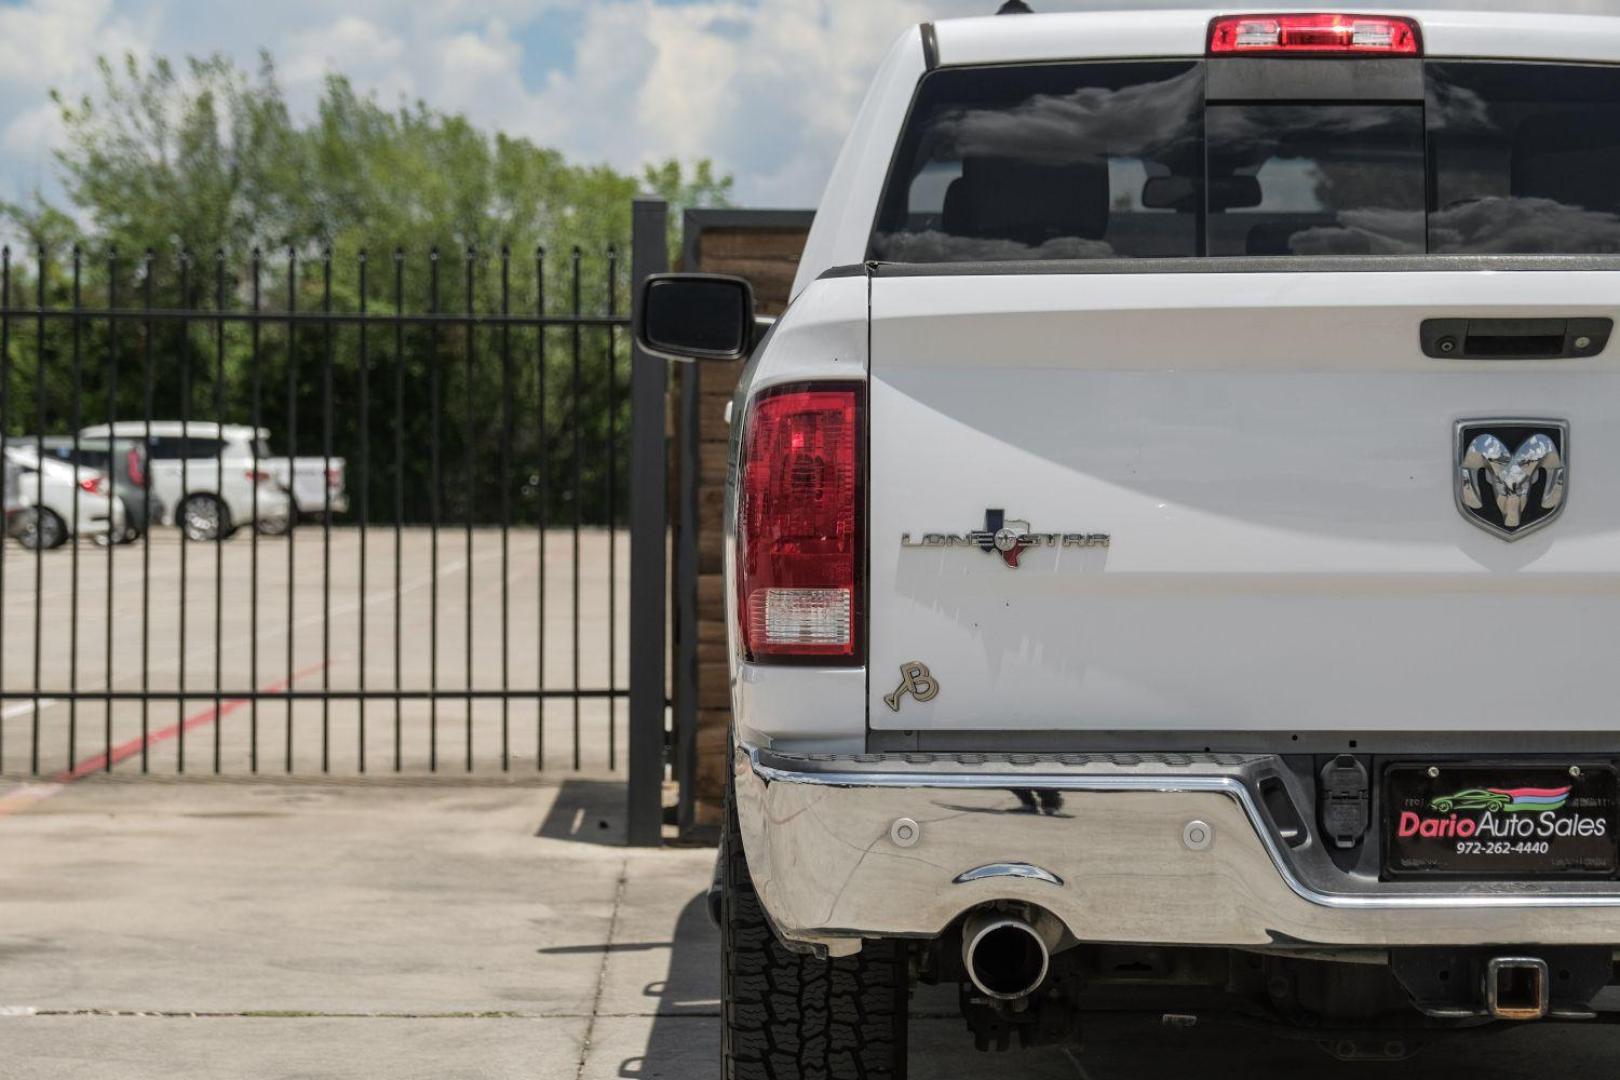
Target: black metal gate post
{"points": [[649, 381]]}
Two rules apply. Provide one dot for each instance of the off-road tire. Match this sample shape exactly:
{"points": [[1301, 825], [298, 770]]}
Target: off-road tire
{"points": [[792, 1017]]}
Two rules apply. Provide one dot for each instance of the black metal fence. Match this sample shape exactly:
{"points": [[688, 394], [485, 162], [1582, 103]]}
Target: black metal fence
{"points": [[458, 603]]}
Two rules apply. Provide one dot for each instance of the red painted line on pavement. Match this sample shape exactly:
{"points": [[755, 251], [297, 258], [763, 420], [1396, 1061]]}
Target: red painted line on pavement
{"points": [[201, 718], [125, 750]]}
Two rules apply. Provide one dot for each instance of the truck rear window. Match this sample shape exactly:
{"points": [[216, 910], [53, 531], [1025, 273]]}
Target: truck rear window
{"points": [[1526, 158], [1128, 160]]}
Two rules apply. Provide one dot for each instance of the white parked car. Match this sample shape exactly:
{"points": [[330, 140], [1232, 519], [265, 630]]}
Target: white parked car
{"points": [[53, 498], [1176, 418], [206, 476]]}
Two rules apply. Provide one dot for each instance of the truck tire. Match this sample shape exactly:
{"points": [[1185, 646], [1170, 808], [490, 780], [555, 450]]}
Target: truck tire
{"points": [[793, 1017]]}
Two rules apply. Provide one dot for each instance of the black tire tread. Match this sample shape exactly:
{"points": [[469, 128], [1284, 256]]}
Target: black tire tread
{"points": [[793, 1017]]}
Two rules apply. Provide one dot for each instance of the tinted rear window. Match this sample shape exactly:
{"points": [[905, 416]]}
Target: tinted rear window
{"points": [[1048, 162], [1332, 179], [1128, 160], [1526, 158]]}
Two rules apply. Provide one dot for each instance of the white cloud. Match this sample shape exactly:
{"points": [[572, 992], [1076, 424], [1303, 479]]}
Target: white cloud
{"points": [[45, 45], [351, 45], [43, 41], [32, 129], [767, 89], [479, 72]]}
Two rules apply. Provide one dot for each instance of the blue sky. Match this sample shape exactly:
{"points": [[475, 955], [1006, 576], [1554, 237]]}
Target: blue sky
{"points": [[765, 87]]}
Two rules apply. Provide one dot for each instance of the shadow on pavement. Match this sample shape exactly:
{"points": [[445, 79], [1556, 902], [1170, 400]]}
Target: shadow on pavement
{"points": [[1120, 1048], [1140, 1050], [684, 1042], [587, 812], [597, 950]]}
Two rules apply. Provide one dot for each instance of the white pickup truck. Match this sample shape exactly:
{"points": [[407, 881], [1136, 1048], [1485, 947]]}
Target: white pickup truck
{"points": [[1180, 422], [314, 483]]}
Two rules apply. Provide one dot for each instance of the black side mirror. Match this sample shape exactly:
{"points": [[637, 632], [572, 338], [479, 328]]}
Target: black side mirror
{"points": [[696, 317]]}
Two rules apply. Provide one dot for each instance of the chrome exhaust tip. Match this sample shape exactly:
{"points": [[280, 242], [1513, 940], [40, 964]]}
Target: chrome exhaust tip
{"points": [[1006, 957], [1517, 988]]}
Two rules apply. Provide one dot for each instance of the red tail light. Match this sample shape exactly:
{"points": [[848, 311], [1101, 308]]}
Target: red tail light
{"points": [[799, 525], [134, 469], [334, 477], [95, 485], [257, 476], [1384, 35]]}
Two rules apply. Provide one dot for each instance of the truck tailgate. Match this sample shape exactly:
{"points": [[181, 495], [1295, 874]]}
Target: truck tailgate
{"points": [[1273, 459]]}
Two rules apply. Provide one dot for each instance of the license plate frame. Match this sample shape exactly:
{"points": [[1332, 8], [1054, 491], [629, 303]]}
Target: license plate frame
{"points": [[1501, 820]]}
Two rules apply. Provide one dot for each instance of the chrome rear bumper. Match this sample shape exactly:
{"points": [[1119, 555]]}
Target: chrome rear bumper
{"points": [[1170, 849]]}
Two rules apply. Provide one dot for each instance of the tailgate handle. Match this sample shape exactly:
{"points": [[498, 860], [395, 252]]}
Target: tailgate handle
{"points": [[1514, 339]]}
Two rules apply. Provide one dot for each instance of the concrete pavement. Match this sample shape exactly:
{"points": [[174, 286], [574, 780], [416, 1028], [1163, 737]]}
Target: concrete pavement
{"points": [[335, 629], [433, 929]]}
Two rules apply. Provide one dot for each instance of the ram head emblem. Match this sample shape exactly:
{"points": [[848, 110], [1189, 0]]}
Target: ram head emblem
{"points": [[1510, 457]]}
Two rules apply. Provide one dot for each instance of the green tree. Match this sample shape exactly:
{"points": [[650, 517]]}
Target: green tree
{"points": [[206, 168], [669, 181], [156, 161]]}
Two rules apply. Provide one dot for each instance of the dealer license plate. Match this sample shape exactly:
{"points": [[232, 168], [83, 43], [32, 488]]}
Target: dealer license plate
{"points": [[1500, 821]]}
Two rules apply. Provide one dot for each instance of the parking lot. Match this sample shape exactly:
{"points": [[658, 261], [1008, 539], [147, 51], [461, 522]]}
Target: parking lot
{"points": [[333, 631], [434, 929]]}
